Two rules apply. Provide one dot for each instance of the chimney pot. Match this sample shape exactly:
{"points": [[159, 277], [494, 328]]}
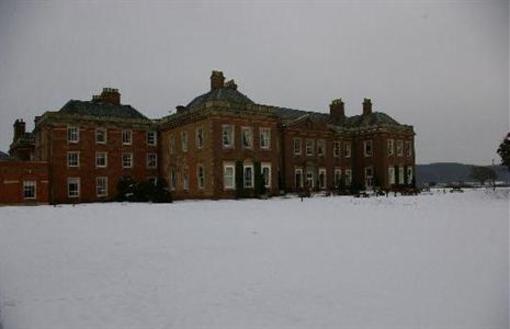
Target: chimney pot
{"points": [[109, 95], [367, 106], [336, 110], [217, 80], [19, 129]]}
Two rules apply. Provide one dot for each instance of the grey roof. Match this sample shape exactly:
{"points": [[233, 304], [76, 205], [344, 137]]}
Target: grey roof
{"points": [[221, 94], [100, 109], [373, 119], [4, 156], [292, 114]]}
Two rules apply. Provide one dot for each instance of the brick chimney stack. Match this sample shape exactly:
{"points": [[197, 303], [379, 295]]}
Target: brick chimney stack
{"points": [[336, 110], [367, 106], [217, 80], [109, 95], [19, 129]]}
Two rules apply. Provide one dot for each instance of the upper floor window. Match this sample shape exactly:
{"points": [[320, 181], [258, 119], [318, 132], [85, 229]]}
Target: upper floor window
{"points": [[200, 176], [171, 144], [297, 145], [390, 146], [152, 138], [321, 147], [152, 160], [347, 149], [184, 141], [247, 137], [101, 159], [336, 149], [265, 138], [127, 136], [101, 136], [228, 136], [73, 134], [400, 148], [29, 190], [367, 148], [200, 137], [309, 144], [408, 149], [127, 160], [73, 159]]}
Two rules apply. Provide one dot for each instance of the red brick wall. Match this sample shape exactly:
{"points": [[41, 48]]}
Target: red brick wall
{"points": [[12, 175]]}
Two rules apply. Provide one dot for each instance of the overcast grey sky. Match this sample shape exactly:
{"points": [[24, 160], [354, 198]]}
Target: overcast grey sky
{"points": [[442, 66]]}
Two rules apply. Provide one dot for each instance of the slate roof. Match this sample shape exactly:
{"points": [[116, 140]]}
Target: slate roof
{"points": [[292, 114], [4, 156], [221, 94], [373, 119], [99, 109]]}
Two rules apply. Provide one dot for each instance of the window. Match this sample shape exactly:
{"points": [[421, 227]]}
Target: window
{"points": [[185, 179], [171, 144], [390, 146], [184, 141], [266, 174], [338, 177], [101, 135], [127, 137], [152, 138], [391, 175], [369, 172], [200, 177], [73, 187], [228, 136], [367, 148], [247, 137], [200, 137], [309, 179], [408, 149], [229, 176], [347, 149], [409, 175], [298, 178], [248, 176], [101, 159], [321, 147], [297, 146], [173, 179], [127, 160], [152, 160], [73, 159], [101, 186], [73, 134], [401, 175], [400, 146], [336, 149], [265, 138], [322, 178], [29, 190], [309, 143], [348, 177]]}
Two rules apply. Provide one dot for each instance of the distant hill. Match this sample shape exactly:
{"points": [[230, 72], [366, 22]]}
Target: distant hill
{"points": [[448, 172]]}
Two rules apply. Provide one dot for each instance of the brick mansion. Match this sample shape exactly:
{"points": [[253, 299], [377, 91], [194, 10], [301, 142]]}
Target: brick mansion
{"points": [[218, 144]]}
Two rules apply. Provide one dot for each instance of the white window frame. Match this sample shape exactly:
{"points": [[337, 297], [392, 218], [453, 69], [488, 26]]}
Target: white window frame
{"points": [[368, 152], [337, 149], [152, 163], [390, 144], [337, 176], [185, 179], [231, 136], [348, 177], [152, 141], [401, 178], [310, 179], [98, 155], [98, 132], [184, 141], [171, 144], [200, 176], [347, 149], [247, 132], [266, 165], [104, 189], [400, 147], [77, 181], [391, 175], [71, 153], [297, 142], [299, 184], [199, 137], [252, 176], [369, 179], [409, 148], [321, 146], [231, 166], [309, 146], [32, 185], [131, 157], [173, 179], [127, 136], [409, 174], [324, 184], [73, 137], [265, 138]]}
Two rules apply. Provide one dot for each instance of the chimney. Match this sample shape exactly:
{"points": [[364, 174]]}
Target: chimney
{"points": [[180, 108], [367, 106], [336, 110], [19, 129], [109, 95], [231, 84], [217, 80]]}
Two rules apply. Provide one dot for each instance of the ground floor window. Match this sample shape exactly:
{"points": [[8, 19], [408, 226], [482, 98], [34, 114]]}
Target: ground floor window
{"points": [[409, 175], [322, 178], [73, 187], [309, 179], [338, 177], [401, 175], [29, 190], [348, 177], [102, 186], [248, 176], [229, 176], [298, 178], [201, 177], [185, 179], [173, 179], [391, 175], [369, 177], [266, 174]]}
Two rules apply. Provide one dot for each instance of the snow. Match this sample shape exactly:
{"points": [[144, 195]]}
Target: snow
{"points": [[428, 261]]}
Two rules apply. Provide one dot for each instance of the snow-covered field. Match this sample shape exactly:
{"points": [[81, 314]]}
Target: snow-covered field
{"points": [[431, 261]]}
